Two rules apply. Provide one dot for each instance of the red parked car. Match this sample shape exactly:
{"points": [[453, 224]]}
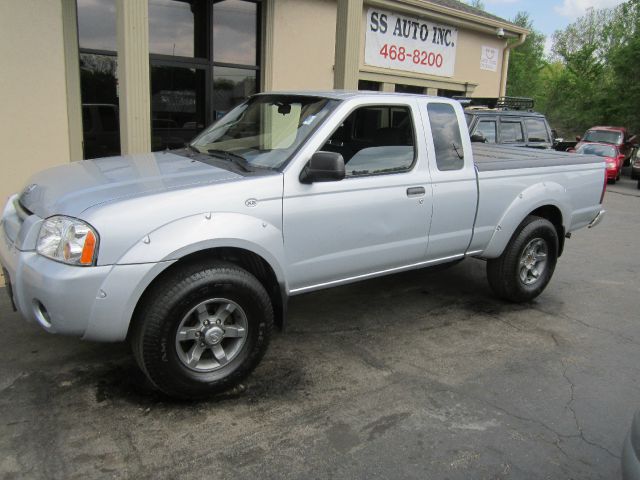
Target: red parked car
{"points": [[612, 156], [617, 136]]}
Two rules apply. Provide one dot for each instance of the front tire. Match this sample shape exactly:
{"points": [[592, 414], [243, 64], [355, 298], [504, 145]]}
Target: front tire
{"points": [[202, 330], [526, 266]]}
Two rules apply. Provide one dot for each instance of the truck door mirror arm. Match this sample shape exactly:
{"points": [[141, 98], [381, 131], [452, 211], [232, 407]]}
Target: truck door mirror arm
{"points": [[323, 167]]}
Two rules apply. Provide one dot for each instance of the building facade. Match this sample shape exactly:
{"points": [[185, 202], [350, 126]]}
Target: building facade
{"points": [[90, 78]]}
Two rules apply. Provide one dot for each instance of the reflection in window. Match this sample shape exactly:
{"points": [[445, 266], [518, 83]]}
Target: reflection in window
{"points": [[374, 140], [446, 136], [178, 28], [511, 132], [97, 24], [231, 86], [177, 105], [99, 105], [265, 130], [234, 32], [488, 129]]}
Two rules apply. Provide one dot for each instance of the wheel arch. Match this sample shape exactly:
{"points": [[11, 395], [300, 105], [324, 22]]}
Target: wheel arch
{"points": [[547, 200], [554, 215], [247, 259]]}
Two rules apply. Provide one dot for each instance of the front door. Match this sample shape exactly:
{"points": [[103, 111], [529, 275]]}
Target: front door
{"points": [[377, 218]]}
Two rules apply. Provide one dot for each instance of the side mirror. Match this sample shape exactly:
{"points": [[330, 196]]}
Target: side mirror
{"points": [[577, 138], [323, 167], [478, 137]]}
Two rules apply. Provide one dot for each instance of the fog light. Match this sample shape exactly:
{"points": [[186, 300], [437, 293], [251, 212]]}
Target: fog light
{"points": [[42, 315]]}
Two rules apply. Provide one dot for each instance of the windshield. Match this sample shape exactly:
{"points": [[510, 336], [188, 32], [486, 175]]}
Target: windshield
{"points": [[604, 136], [265, 130], [600, 150]]}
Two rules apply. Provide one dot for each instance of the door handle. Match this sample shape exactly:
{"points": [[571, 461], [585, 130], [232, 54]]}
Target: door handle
{"points": [[415, 191]]}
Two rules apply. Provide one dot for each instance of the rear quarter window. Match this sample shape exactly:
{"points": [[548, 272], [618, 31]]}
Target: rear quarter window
{"points": [[446, 136], [511, 132], [536, 130]]}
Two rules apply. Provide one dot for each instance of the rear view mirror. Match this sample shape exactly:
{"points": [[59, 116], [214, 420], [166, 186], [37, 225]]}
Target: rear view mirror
{"points": [[323, 167], [479, 138], [577, 138]]}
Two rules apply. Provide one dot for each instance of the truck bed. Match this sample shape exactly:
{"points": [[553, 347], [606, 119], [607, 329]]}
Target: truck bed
{"points": [[498, 157]]}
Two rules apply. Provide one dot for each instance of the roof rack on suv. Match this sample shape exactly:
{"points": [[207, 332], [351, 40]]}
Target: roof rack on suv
{"points": [[504, 103]]}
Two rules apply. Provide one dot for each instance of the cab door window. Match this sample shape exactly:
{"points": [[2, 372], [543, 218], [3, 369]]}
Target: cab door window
{"points": [[375, 140]]}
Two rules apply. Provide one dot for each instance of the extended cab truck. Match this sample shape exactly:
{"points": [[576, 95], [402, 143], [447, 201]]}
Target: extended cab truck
{"points": [[192, 254]]}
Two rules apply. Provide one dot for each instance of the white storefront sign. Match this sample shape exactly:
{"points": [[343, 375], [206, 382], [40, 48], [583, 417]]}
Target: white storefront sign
{"points": [[408, 43], [489, 59]]}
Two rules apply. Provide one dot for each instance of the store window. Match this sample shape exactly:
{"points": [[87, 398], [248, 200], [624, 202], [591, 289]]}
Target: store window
{"points": [[98, 78], [235, 32], [97, 24], [231, 86], [368, 85], [449, 93], [178, 28], [204, 62], [400, 88], [178, 105]]}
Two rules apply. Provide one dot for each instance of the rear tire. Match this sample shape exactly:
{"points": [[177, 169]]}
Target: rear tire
{"points": [[202, 330], [526, 266]]}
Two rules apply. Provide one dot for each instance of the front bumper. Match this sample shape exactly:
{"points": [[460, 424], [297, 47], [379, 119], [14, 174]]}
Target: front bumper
{"points": [[95, 303]]}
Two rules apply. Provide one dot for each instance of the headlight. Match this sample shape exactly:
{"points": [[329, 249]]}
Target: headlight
{"points": [[612, 165], [68, 240]]}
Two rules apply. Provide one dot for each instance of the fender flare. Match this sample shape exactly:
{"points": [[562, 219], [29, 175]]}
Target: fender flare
{"points": [[539, 195], [195, 233], [157, 251]]}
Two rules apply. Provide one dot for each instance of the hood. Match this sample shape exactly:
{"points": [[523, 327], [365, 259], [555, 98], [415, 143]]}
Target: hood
{"points": [[73, 188]]}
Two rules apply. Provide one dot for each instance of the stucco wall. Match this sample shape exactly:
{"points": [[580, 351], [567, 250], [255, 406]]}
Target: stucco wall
{"points": [[468, 62], [34, 127], [304, 44]]}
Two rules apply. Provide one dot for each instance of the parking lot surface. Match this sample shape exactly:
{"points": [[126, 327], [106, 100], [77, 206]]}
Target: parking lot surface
{"points": [[418, 375]]}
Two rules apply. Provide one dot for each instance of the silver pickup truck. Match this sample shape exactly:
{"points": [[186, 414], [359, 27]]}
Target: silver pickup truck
{"points": [[192, 254]]}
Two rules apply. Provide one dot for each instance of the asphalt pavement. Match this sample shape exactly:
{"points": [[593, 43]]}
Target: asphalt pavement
{"points": [[418, 375]]}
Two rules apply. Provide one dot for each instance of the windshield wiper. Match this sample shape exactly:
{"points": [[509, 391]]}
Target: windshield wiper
{"points": [[234, 158]]}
